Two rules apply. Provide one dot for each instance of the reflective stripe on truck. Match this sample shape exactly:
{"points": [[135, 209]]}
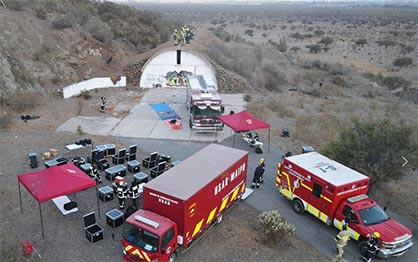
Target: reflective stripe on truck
{"points": [[239, 188]]}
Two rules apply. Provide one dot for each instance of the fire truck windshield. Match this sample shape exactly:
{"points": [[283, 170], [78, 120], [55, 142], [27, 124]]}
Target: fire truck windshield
{"points": [[372, 215], [206, 111], [141, 238]]}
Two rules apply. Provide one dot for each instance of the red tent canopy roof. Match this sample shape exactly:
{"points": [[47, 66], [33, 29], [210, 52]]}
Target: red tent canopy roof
{"points": [[55, 181], [243, 121]]}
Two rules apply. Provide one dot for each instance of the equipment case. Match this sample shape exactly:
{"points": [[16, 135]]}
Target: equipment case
{"points": [[93, 231], [106, 193], [134, 166], [114, 218]]}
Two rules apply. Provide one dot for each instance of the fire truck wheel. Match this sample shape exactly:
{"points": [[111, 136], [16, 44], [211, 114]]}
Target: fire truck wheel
{"points": [[172, 257], [190, 123], [298, 206], [362, 246], [219, 219]]}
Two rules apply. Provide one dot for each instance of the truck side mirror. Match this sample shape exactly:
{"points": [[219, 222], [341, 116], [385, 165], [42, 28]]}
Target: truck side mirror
{"points": [[222, 109], [385, 208]]}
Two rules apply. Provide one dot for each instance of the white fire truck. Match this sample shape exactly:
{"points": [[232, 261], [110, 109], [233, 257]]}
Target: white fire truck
{"points": [[204, 104]]}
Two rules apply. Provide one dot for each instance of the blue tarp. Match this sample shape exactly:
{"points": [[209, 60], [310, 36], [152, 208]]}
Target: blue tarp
{"points": [[164, 111]]}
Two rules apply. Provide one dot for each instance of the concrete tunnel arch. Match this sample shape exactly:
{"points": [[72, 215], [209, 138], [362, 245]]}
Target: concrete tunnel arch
{"points": [[159, 69]]}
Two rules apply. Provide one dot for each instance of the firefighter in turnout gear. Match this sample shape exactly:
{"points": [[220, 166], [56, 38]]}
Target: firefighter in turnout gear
{"points": [[102, 104], [258, 173], [176, 37], [134, 194], [121, 193], [372, 245], [263, 165], [341, 240]]}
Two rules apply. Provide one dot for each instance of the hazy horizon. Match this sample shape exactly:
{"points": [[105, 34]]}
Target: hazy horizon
{"points": [[267, 1]]}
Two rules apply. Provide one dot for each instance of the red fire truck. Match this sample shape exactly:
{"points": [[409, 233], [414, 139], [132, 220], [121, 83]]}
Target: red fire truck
{"points": [[333, 192], [204, 104], [182, 202]]}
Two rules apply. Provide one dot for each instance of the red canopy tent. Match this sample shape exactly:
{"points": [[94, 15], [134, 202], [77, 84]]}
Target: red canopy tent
{"points": [[244, 121], [53, 182]]}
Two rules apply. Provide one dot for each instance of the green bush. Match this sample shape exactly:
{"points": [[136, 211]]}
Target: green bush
{"points": [[249, 32], [391, 82], [326, 40], [282, 45], [374, 148], [394, 82], [222, 34], [361, 42], [274, 227], [314, 48], [402, 61]]}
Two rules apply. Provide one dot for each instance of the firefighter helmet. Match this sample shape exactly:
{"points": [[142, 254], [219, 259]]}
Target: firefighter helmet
{"points": [[261, 160], [376, 234]]}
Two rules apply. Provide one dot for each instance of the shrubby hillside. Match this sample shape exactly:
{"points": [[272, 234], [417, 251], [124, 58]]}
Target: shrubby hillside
{"points": [[46, 43]]}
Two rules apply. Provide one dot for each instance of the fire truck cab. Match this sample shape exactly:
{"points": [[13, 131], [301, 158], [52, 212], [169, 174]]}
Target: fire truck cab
{"points": [[145, 239], [335, 193], [204, 104]]}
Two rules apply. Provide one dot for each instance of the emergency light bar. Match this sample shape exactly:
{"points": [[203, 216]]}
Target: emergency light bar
{"points": [[147, 221], [357, 198]]}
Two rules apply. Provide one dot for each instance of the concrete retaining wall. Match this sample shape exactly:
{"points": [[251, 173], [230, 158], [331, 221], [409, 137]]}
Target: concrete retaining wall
{"points": [[98, 82]]}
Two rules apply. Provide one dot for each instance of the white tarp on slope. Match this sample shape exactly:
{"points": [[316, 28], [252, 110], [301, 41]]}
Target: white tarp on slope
{"points": [[93, 83]]}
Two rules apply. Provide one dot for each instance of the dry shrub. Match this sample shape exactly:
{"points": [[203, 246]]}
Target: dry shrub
{"points": [[278, 107], [5, 120], [16, 5], [303, 130], [247, 97], [223, 34], [258, 109], [274, 227], [274, 78], [64, 21], [101, 32], [339, 81], [85, 94], [311, 76], [22, 101]]}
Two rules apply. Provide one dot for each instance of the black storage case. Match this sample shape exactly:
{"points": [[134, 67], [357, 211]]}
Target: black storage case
{"points": [[134, 166], [93, 231], [140, 178], [106, 193], [114, 218], [114, 171]]}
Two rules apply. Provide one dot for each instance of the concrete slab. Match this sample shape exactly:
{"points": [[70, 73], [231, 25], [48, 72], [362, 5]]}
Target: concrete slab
{"points": [[143, 122], [101, 126], [132, 126]]}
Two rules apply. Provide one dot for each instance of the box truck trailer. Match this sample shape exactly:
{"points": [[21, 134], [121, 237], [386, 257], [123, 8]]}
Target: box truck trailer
{"points": [[182, 202]]}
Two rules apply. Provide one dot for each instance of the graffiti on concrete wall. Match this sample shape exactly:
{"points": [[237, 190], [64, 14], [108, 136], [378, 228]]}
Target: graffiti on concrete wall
{"points": [[175, 78]]}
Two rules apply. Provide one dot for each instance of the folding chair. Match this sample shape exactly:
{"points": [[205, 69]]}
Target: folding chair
{"points": [[119, 158], [158, 170], [150, 161], [131, 153]]}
